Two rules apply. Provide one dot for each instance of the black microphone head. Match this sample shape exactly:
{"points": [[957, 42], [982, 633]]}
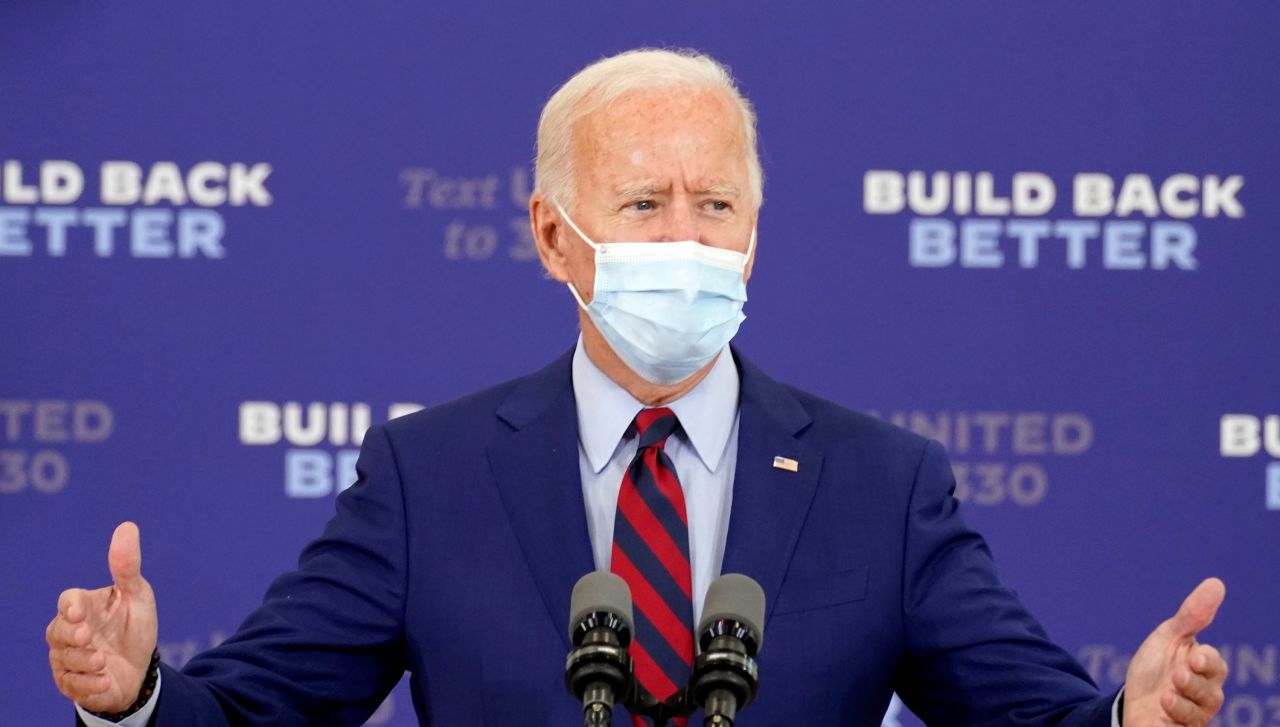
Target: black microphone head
{"points": [[734, 597], [600, 592]]}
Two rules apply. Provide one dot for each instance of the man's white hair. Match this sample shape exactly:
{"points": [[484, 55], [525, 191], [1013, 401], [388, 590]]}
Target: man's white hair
{"points": [[602, 82]]}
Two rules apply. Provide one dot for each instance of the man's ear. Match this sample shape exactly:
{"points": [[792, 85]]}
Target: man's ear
{"points": [[547, 224]]}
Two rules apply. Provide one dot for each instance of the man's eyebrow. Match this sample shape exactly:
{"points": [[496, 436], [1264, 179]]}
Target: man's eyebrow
{"points": [[634, 191], [645, 190], [721, 190]]}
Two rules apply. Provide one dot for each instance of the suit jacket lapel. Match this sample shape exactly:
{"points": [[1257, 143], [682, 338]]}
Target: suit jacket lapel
{"points": [[535, 463], [769, 504]]}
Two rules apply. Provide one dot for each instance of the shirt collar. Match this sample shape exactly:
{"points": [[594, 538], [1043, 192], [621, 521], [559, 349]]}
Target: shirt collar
{"points": [[707, 413]]}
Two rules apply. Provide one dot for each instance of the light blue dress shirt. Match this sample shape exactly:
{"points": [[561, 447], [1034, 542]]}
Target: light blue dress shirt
{"points": [[704, 454]]}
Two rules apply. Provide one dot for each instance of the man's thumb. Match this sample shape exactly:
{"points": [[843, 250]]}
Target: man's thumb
{"points": [[125, 557], [1199, 608]]}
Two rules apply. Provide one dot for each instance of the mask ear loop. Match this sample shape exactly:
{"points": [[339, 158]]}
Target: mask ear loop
{"points": [[581, 234], [572, 288]]}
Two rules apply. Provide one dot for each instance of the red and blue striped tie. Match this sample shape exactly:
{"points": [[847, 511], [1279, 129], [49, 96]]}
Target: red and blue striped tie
{"points": [[651, 553]]}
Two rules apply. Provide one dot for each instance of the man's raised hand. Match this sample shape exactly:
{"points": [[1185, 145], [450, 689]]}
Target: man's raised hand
{"points": [[101, 641], [1173, 680]]}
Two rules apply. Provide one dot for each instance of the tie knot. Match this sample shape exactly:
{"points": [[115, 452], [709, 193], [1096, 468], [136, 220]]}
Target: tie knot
{"points": [[653, 426]]}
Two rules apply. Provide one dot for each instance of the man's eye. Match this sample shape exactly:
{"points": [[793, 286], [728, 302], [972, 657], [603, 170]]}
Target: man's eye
{"points": [[643, 205], [718, 205]]}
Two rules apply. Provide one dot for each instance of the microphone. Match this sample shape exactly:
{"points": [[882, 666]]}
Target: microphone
{"points": [[725, 675], [598, 669]]}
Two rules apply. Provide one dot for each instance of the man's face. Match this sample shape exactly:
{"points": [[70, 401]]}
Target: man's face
{"points": [[658, 166]]}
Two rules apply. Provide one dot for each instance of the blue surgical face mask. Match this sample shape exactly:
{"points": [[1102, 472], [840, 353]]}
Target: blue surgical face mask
{"points": [[666, 308]]}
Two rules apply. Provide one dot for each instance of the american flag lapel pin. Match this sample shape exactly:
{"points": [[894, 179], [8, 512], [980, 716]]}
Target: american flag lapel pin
{"points": [[786, 463]]}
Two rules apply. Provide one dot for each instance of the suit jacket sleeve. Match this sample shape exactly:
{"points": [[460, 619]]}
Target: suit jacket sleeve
{"points": [[974, 654], [326, 645]]}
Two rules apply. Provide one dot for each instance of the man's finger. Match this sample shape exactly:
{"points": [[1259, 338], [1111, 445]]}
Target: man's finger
{"points": [[73, 604], [1199, 608], [1205, 692], [84, 661], [1183, 710], [125, 557], [81, 686], [1206, 660], [62, 632]]}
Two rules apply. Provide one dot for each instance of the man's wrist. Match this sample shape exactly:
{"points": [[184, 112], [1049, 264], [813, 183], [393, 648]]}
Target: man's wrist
{"points": [[144, 694]]}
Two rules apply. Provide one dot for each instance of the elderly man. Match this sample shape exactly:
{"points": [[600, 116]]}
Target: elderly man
{"points": [[653, 450]]}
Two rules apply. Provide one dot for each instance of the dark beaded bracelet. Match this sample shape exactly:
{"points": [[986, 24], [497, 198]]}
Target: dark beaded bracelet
{"points": [[144, 696]]}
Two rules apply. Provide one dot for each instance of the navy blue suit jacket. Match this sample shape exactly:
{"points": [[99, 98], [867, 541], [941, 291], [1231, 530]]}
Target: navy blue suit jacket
{"points": [[454, 555]]}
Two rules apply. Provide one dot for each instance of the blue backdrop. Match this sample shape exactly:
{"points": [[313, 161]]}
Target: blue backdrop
{"points": [[232, 235]]}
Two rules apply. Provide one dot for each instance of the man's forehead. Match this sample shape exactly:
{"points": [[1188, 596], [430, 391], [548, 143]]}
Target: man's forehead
{"points": [[653, 114]]}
